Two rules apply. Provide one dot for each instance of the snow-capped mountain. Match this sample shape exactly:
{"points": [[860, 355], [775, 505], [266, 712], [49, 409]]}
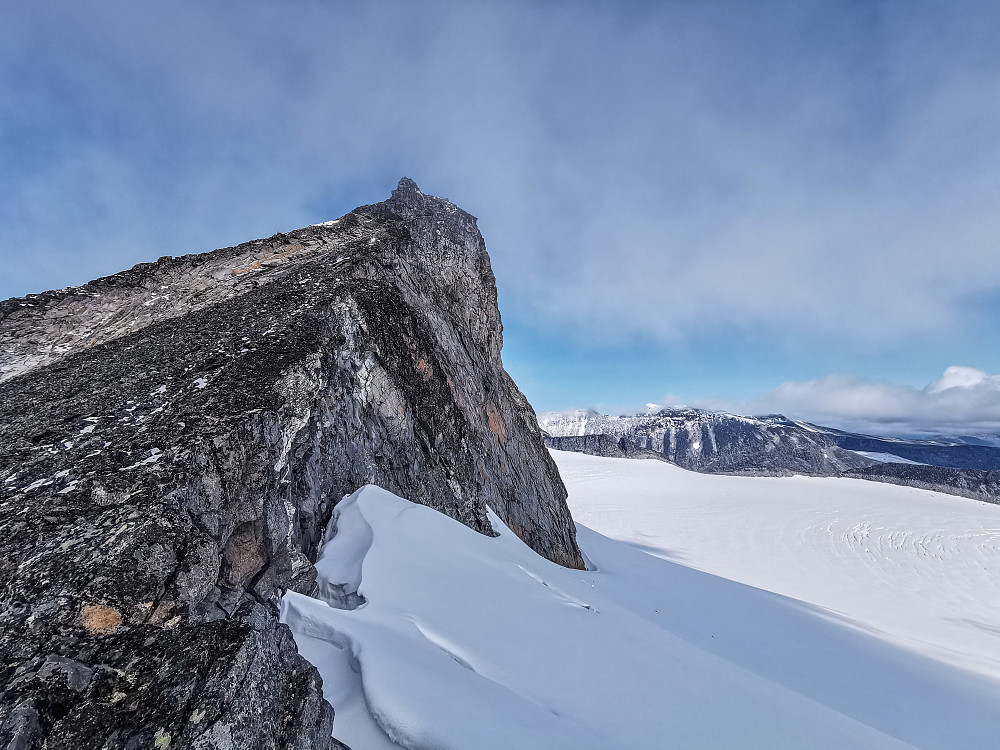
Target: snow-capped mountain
{"points": [[717, 442], [183, 449], [709, 441]]}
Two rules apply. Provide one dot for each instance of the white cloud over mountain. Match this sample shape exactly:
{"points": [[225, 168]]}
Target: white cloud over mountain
{"points": [[963, 400]]}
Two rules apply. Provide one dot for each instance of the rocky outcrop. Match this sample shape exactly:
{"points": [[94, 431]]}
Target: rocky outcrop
{"points": [[714, 442], [594, 445], [177, 435], [970, 483], [600, 445]]}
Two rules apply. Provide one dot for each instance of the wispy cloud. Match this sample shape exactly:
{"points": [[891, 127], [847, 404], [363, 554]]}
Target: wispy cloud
{"points": [[812, 171]]}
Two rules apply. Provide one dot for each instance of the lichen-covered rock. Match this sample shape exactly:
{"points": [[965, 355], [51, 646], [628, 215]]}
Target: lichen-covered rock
{"points": [[175, 438]]}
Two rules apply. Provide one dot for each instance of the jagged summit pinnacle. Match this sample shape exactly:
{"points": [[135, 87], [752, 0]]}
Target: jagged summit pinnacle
{"points": [[407, 198], [409, 201], [407, 193], [406, 185]]}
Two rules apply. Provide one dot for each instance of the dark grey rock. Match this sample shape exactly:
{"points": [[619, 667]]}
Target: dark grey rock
{"points": [[600, 445], [176, 436]]}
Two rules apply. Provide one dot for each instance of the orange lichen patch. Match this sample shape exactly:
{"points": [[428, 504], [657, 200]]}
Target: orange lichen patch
{"points": [[291, 250], [276, 255], [98, 618], [496, 423], [425, 368], [255, 266]]}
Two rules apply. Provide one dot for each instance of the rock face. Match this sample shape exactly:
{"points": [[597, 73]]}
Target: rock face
{"points": [[175, 437], [600, 445], [712, 442]]}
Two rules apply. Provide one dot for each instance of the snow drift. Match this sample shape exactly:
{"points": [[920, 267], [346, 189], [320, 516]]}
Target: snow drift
{"points": [[431, 635]]}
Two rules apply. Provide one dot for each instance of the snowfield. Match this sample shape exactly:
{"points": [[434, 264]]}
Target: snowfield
{"points": [[718, 612], [887, 458], [921, 568]]}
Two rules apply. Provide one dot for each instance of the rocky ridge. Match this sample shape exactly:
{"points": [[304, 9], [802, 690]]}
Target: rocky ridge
{"points": [[177, 435]]}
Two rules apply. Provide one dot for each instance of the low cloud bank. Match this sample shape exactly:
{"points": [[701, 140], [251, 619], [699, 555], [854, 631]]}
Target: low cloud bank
{"points": [[962, 401]]}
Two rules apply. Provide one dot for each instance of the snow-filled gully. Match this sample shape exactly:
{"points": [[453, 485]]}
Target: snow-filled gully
{"points": [[452, 639]]}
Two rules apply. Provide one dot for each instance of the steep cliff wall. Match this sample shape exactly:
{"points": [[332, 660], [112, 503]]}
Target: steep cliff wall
{"points": [[175, 438]]}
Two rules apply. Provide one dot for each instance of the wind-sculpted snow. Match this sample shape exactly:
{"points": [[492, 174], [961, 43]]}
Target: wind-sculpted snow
{"points": [[640, 651]]}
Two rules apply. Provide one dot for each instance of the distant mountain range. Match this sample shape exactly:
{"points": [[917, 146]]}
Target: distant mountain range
{"points": [[715, 442], [958, 452], [721, 443]]}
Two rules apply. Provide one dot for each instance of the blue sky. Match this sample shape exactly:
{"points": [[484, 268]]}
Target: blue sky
{"points": [[684, 202]]}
